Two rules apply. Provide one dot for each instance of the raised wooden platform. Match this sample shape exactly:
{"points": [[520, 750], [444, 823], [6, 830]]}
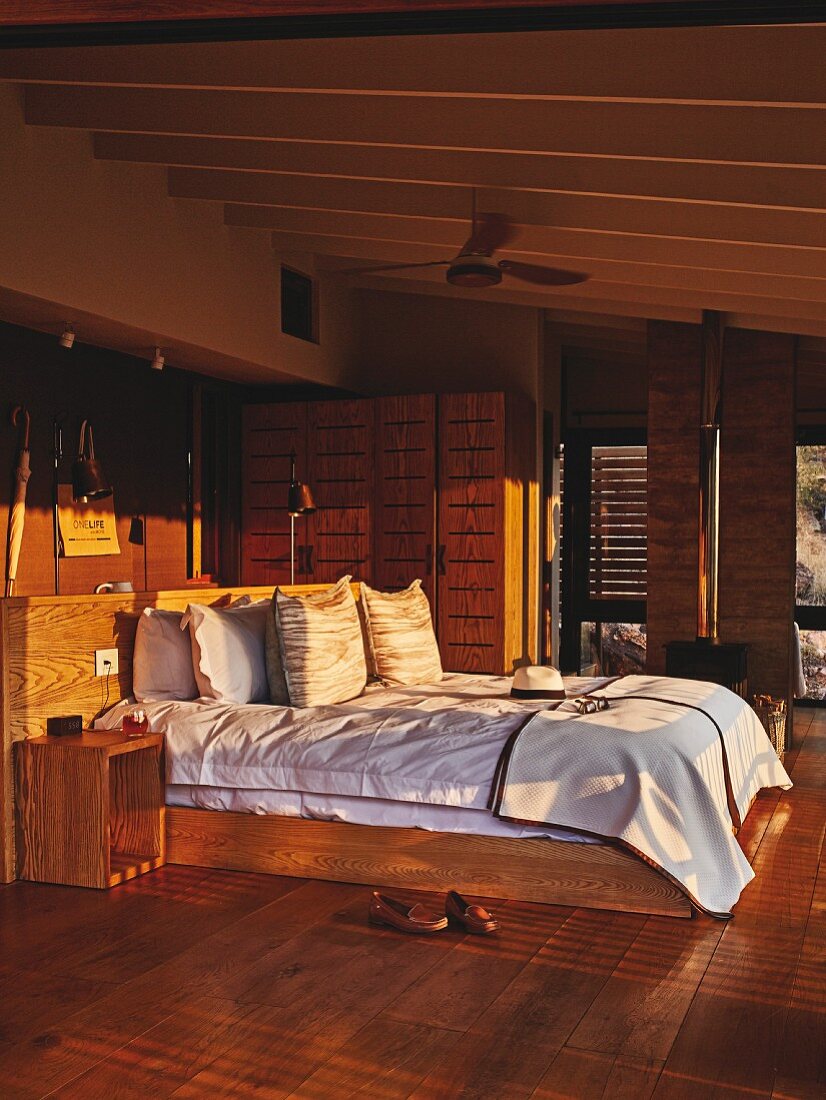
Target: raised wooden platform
{"points": [[598, 876]]}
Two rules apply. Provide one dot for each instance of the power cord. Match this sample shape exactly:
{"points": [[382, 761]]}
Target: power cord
{"points": [[108, 666]]}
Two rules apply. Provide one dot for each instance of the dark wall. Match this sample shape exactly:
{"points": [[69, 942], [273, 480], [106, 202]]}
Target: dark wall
{"points": [[757, 503], [140, 419], [143, 436], [757, 495], [674, 379]]}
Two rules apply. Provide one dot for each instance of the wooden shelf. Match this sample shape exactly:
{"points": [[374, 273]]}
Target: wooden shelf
{"points": [[90, 808]]}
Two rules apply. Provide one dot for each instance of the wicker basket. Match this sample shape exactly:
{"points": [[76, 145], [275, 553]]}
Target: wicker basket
{"points": [[772, 714]]}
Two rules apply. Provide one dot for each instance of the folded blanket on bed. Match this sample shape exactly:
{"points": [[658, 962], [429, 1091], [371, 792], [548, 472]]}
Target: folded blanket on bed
{"points": [[651, 772]]}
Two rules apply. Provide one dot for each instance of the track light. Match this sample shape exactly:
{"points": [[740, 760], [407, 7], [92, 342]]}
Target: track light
{"points": [[67, 337], [158, 361]]}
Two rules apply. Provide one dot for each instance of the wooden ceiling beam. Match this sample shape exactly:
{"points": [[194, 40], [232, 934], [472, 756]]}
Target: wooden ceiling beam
{"points": [[760, 185], [746, 64], [603, 297], [769, 225], [327, 193], [603, 271], [775, 135], [544, 240]]}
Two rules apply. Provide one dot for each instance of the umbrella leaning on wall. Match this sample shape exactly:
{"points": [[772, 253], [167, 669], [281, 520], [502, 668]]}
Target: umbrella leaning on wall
{"points": [[18, 508]]}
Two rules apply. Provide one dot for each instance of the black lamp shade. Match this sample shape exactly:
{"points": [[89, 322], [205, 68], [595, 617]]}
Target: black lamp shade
{"points": [[136, 531], [88, 481], [300, 499]]}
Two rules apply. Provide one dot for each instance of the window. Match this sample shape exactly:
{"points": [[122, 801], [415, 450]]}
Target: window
{"points": [[298, 307], [604, 552], [811, 525], [810, 571]]}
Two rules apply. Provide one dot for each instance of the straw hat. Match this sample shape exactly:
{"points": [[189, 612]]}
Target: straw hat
{"points": [[538, 682]]}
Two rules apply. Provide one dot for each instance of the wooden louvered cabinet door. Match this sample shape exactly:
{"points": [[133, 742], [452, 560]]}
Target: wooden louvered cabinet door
{"points": [[488, 531], [340, 472], [270, 433], [470, 557], [405, 514]]}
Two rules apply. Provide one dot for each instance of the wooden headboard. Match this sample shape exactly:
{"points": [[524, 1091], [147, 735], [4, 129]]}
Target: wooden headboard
{"points": [[47, 646]]}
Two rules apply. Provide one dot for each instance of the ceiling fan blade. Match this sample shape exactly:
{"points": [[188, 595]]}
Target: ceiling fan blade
{"points": [[544, 276], [391, 267], [491, 232]]}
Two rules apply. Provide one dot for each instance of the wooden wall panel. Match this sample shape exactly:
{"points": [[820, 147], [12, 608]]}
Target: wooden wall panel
{"points": [[47, 665], [341, 473], [140, 419], [405, 516], [270, 433], [757, 503], [674, 379]]}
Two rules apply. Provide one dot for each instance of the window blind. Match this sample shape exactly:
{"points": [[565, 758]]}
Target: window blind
{"points": [[619, 523]]}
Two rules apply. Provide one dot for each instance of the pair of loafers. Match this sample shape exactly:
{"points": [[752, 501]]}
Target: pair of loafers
{"points": [[417, 918]]}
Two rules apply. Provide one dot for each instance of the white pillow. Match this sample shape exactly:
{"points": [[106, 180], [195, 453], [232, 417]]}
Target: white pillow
{"points": [[162, 660], [228, 651]]}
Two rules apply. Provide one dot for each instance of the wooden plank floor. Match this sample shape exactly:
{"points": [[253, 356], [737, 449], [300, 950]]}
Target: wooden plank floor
{"points": [[196, 983]]}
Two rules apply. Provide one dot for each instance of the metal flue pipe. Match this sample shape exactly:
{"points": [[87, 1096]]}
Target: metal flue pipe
{"points": [[709, 526]]}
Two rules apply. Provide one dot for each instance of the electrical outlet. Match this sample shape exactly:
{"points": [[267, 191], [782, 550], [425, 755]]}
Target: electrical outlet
{"points": [[101, 658]]}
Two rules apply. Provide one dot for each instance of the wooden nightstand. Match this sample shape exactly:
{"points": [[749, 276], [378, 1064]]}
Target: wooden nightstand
{"points": [[90, 808]]}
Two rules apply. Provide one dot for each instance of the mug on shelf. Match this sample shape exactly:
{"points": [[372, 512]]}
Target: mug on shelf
{"points": [[114, 586], [135, 722]]}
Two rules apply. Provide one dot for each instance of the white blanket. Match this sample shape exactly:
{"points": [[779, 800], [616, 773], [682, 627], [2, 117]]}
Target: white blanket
{"points": [[436, 744], [439, 745], [651, 774]]}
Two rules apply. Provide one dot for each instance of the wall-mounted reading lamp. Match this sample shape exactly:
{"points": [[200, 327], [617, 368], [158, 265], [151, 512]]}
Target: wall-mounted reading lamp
{"points": [[299, 503], [88, 481]]}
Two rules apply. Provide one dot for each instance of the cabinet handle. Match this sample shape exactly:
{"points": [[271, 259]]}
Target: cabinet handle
{"points": [[428, 559], [308, 560], [440, 560]]}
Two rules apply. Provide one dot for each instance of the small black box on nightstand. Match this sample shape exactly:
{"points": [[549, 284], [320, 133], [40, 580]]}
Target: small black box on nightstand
{"points": [[64, 725]]}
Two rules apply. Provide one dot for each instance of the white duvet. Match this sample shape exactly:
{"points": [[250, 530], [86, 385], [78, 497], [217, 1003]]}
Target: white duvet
{"points": [[651, 773], [436, 745]]}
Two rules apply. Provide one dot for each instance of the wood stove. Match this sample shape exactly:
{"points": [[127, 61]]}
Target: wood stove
{"points": [[723, 663]]}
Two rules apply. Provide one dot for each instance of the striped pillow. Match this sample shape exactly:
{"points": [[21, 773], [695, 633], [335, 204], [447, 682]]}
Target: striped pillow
{"points": [[322, 652], [279, 696], [402, 641]]}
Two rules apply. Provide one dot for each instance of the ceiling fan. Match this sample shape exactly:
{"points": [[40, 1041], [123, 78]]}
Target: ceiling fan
{"points": [[474, 266]]}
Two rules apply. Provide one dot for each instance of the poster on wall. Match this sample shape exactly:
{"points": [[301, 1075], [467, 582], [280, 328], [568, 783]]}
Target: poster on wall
{"points": [[86, 530]]}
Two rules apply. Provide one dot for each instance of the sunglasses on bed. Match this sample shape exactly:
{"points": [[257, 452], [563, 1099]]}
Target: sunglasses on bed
{"points": [[591, 704]]}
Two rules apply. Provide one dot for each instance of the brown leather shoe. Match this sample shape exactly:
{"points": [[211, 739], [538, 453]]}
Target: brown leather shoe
{"points": [[396, 914], [475, 918]]}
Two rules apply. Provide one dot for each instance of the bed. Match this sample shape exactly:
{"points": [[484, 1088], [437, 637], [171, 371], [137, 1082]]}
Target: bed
{"points": [[349, 832]]}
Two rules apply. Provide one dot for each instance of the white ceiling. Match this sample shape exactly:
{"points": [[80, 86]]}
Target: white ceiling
{"points": [[681, 168]]}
